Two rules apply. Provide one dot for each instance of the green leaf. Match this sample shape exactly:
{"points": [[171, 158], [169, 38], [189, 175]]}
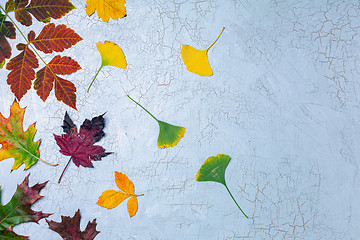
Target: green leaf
{"points": [[213, 169], [169, 135], [18, 210], [10, 235], [2, 64]]}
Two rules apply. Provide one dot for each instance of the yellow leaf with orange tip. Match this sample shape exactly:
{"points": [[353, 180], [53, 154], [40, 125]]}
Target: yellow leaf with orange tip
{"points": [[197, 61], [106, 9], [112, 198]]}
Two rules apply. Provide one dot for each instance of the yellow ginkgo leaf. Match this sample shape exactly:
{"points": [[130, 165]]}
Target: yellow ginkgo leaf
{"points": [[196, 61], [106, 9], [112, 198], [111, 55]]}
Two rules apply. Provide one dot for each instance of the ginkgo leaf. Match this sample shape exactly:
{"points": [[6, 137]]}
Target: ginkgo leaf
{"points": [[48, 75], [112, 198], [213, 169], [80, 145], [169, 135], [111, 55], [69, 228], [22, 71], [15, 143], [55, 38], [106, 9], [42, 10], [18, 210], [197, 61]]}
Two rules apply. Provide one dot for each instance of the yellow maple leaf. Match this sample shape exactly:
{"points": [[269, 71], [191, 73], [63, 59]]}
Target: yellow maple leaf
{"points": [[197, 61], [106, 9], [112, 198], [111, 55]]}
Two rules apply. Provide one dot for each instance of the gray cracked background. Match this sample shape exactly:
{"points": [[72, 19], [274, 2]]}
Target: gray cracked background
{"points": [[283, 103]]}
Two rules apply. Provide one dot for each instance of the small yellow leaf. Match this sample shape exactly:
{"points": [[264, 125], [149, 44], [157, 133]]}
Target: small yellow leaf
{"points": [[132, 206], [106, 9], [112, 198], [111, 54], [197, 61]]}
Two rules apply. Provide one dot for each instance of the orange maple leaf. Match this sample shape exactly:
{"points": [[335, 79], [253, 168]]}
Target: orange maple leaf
{"points": [[64, 89], [112, 198]]}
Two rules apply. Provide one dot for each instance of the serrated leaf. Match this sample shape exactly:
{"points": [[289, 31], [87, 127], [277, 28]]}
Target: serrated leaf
{"points": [[22, 71], [42, 10], [80, 145], [69, 228], [48, 75], [55, 38], [7, 30], [111, 55], [18, 210], [169, 135], [15, 142], [10, 235], [112, 198], [106, 9], [197, 61], [213, 169]]}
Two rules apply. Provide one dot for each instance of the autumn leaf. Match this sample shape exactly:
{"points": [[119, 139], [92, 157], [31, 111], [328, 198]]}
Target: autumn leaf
{"points": [[7, 30], [22, 71], [42, 10], [48, 75], [213, 169], [69, 228], [106, 9], [18, 210], [55, 38], [15, 143], [112, 198], [197, 61], [80, 145], [111, 55], [169, 135]]}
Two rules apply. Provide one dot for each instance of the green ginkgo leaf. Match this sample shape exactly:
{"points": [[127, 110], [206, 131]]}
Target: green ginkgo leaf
{"points": [[213, 169], [169, 135]]}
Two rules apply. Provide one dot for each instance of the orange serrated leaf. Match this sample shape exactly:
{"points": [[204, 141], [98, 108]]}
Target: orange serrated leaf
{"points": [[55, 38], [112, 198], [42, 10], [64, 89], [106, 9], [22, 71]]}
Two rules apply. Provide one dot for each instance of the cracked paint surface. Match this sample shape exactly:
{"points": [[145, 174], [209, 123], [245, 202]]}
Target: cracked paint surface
{"points": [[283, 103]]}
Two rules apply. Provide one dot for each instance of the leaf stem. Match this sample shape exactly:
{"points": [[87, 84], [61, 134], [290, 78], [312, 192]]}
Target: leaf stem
{"points": [[216, 39], [143, 108], [95, 77], [64, 169], [235, 201]]}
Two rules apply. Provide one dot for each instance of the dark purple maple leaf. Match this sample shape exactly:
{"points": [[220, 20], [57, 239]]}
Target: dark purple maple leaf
{"points": [[69, 228], [80, 145]]}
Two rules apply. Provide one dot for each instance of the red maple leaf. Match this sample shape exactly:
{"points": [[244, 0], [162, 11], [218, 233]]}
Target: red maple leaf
{"points": [[80, 145], [69, 228]]}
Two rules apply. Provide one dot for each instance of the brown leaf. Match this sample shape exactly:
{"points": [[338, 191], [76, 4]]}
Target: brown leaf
{"points": [[42, 10], [56, 38], [69, 228], [22, 71]]}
